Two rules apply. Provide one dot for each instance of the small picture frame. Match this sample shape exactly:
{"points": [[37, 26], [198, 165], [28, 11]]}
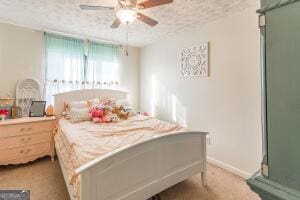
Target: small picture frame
{"points": [[37, 109], [16, 112]]}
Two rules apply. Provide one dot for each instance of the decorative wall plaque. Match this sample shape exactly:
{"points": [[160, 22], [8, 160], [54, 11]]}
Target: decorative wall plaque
{"points": [[194, 61]]}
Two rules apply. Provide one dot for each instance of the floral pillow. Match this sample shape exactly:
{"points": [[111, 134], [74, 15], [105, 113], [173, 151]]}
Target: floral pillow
{"points": [[109, 102], [93, 102]]}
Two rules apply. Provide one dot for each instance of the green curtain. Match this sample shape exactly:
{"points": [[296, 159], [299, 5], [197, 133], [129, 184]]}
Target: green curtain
{"points": [[75, 64], [65, 58], [102, 64]]}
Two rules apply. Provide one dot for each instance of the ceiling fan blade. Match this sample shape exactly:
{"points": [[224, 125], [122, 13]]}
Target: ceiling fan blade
{"points": [[116, 23], [153, 3], [127, 3], [146, 19], [87, 7]]}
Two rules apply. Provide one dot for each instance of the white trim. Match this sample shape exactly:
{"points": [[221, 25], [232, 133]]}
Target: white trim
{"points": [[229, 168]]}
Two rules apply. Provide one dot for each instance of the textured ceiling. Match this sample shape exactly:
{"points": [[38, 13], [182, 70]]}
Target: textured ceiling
{"points": [[65, 16]]}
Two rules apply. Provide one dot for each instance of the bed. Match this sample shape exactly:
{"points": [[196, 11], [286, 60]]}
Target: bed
{"points": [[134, 159]]}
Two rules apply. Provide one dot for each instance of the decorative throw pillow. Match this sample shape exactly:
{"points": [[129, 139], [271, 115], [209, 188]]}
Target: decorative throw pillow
{"points": [[109, 102], [79, 105], [93, 102], [79, 115]]}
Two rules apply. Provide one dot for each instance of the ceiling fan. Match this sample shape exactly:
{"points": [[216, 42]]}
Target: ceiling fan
{"points": [[127, 11]]}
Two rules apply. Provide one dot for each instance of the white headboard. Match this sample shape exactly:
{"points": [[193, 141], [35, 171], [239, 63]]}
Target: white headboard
{"points": [[81, 95]]}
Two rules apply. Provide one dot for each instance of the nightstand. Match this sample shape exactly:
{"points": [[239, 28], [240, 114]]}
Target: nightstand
{"points": [[26, 139]]}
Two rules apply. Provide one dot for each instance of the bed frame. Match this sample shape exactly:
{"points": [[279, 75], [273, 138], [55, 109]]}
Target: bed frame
{"points": [[140, 171]]}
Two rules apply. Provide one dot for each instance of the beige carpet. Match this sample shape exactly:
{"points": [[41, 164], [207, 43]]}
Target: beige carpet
{"points": [[45, 181]]}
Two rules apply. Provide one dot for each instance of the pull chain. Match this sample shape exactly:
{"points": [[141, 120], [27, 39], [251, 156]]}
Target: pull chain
{"points": [[127, 27]]}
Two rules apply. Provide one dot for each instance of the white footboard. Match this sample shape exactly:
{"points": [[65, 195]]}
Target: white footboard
{"points": [[141, 171]]}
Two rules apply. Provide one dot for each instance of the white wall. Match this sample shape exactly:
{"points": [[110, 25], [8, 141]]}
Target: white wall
{"points": [[130, 75], [22, 56], [226, 104]]}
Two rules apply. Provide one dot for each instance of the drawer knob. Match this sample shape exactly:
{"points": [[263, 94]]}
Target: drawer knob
{"points": [[29, 129], [25, 140], [22, 129], [24, 152], [27, 151]]}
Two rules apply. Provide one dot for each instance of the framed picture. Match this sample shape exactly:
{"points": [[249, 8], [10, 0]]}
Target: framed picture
{"points": [[194, 61], [37, 109]]}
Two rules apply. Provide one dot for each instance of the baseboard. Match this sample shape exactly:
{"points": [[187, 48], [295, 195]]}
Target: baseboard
{"points": [[229, 168]]}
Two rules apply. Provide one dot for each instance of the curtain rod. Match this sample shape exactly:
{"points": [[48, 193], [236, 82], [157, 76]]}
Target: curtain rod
{"points": [[61, 33], [81, 37]]}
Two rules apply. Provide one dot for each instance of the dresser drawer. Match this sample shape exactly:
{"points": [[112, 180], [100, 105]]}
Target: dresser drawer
{"points": [[24, 140], [25, 128], [26, 151]]}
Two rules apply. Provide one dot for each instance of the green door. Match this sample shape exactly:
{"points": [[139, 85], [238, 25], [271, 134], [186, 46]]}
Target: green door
{"points": [[283, 94], [265, 3]]}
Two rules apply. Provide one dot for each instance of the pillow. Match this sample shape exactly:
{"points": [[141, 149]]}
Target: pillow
{"points": [[77, 104], [109, 102], [79, 115], [93, 102]]}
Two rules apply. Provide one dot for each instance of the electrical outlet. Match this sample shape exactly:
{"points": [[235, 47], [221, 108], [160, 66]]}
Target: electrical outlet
{"points": [[208, 140]]}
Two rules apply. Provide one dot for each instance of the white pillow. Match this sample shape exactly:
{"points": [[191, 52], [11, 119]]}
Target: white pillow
{"points": [[79, 115], [93, 102], [73, 104]]}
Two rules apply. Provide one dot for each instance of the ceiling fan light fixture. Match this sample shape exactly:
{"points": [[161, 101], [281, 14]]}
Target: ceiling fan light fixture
{"points": [[126, 15]]}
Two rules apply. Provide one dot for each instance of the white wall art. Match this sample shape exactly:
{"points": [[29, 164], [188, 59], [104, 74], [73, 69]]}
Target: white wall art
{"points": [[194, 61]]}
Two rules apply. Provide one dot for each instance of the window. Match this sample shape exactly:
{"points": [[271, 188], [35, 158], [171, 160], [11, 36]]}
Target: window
{"points": [[73, 64], [102, 64]]}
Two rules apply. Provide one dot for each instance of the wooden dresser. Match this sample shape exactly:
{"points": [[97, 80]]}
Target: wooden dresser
{"points": [[26, 139]]}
